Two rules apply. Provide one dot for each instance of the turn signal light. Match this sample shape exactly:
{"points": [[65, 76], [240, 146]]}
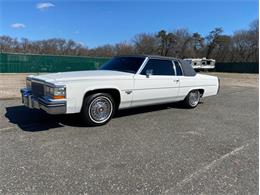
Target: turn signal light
{"points": [[58, 97]]}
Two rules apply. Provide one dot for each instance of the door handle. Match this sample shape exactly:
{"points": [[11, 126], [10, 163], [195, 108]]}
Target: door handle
{"points": [[177, 80]]}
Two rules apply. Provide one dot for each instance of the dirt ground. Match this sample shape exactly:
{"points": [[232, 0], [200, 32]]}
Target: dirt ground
{"points": [[237, 79], [10, 84]]}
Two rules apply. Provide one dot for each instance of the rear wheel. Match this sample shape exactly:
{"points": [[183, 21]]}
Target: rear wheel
{"points": [[98, 109], [192, 99]]}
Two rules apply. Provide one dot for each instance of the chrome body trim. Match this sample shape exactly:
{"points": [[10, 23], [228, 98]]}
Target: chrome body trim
{"points": [[174, 68], [180, 67], [142, 66], [44, 103]]}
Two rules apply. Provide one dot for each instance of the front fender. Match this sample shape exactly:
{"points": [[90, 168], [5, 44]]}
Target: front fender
{"points": [[76, 91]]}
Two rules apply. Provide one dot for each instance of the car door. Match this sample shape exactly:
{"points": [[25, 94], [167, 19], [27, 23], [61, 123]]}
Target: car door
{"points": [[156, 83], [185, 83]]}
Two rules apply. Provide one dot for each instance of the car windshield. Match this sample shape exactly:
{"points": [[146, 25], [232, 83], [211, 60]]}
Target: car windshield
{"points": [[123, 64]]}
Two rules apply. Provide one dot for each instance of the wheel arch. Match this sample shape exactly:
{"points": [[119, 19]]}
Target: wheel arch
{"points": [[201, 90], [114, 92]]}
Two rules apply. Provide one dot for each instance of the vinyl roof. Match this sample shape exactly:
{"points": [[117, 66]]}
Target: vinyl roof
{"points": [[186, 67], [149, 56]]}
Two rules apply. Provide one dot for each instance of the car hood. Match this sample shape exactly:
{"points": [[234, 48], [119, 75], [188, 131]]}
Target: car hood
{"points": [[83, 75]]}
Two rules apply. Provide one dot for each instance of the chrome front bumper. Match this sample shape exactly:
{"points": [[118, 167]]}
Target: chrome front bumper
{"points": [[48, 105]]}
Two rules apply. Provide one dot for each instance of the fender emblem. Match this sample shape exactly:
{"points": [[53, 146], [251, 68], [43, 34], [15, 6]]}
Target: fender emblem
{"points": [[128, 92]]}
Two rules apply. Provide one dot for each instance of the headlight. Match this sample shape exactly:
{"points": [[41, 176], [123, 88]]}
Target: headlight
{"points": [[55, 92], [28, 83]]}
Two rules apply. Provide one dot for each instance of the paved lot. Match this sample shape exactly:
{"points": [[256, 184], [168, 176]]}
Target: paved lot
{"points": [[212, 149]]}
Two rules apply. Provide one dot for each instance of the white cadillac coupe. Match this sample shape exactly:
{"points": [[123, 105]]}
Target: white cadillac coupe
{"points": [[123, 82]]}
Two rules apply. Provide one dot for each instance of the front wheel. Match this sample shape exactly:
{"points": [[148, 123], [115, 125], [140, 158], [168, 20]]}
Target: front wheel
{"points": [[192, 99], [98, 109]]}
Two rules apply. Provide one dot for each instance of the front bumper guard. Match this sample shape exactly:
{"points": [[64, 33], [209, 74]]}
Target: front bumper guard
{"points": [[48, 105]]}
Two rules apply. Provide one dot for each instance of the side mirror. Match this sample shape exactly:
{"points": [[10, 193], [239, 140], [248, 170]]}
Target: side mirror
{"points": [[149, 72]]}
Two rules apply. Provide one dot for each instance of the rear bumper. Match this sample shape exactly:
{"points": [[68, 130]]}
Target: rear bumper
{"points": [[48, 105]]}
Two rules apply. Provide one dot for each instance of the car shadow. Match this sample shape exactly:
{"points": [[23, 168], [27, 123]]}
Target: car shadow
{"points": [[37, 120], [145, 109], [34, 120]]}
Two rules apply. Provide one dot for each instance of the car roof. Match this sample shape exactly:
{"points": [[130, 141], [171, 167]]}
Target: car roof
{"points": [[150, 56]]}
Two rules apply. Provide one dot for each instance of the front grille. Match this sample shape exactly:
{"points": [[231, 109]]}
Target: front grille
{"points": [[37, 89]]}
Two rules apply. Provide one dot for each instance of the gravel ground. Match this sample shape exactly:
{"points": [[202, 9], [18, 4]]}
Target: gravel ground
{"points": [[165, 149]]}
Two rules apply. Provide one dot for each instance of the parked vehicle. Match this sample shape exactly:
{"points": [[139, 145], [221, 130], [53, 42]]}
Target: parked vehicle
{"points": [[201, 63], [123, 82]]}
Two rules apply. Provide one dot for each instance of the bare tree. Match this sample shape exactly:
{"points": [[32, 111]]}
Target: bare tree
{"points": [[124, 49], [182, 47], [167, 41], [198, 45], [212, 40], [8, 44], [146, 44], [104, 51], [242, 46], [254, 37]]}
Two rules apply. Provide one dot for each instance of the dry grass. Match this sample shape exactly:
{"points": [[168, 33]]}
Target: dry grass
{"points": [[237, 79], [10, 85]]}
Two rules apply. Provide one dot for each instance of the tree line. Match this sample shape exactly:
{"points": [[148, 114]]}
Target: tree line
{"points": [[242, 46]]}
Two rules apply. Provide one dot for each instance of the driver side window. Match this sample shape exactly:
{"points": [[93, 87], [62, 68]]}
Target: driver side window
{"points": [[159, 67]]}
